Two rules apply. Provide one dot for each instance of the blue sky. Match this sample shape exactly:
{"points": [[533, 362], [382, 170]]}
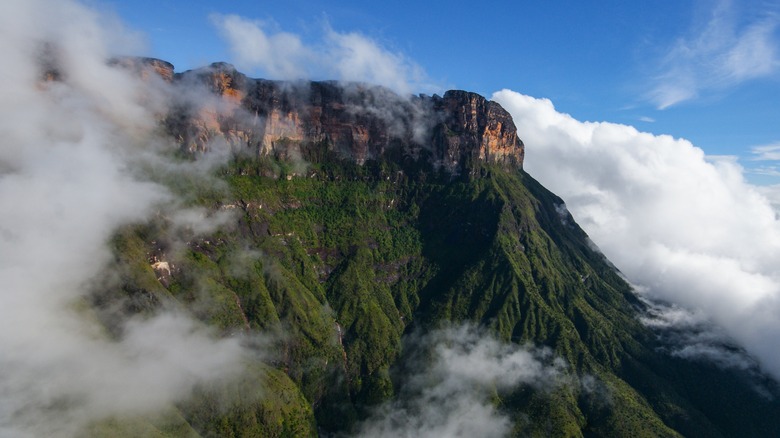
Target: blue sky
{"points": [[704, 70]]}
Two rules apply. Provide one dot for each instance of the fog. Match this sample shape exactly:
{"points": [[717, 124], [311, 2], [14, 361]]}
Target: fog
{"points": [[454, 374], [72, 160]]}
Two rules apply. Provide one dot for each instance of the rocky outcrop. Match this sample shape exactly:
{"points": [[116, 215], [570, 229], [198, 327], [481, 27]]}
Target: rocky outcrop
{"points": [[474, 128], [357, 121], [146, 66]]}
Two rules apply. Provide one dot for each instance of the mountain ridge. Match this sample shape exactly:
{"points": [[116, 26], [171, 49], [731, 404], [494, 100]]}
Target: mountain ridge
{"points": [[359, 121]]}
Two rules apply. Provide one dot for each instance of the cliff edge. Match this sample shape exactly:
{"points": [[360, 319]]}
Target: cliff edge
{"points": [[357, 121]]}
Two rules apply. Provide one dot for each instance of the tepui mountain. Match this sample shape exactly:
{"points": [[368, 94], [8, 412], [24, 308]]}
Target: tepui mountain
{"points": [[355, 223]]}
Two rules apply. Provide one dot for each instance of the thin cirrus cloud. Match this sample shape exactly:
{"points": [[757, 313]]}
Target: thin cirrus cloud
{"points": [[768, 155], [258, 46], [686, 227], [722, 54], [767, 152]]}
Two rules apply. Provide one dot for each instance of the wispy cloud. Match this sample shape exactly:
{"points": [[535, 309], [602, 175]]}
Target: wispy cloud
{"points": [[279, 54], [647, 119], [689, 335], [765, 170], [352, 56], [767, 152], [723, 53], [454, 373]]}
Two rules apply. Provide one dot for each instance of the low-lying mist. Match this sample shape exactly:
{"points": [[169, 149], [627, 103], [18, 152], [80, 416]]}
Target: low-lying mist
{"points": [[453, 375], [77, 134]]}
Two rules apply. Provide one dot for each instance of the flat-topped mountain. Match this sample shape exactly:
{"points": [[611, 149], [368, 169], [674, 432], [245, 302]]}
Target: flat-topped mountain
{"points": [[409, 216]]}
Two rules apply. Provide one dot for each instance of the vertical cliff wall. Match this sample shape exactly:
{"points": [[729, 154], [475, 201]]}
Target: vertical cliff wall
{"points": [[357, 121]]}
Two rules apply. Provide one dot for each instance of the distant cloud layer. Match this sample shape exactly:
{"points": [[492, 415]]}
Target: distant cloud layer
{"points": [[767, 152], [721, 54], [685, 227], [256, 46]]}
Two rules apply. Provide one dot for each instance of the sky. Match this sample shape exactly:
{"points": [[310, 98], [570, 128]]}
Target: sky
{"points": [[704, 70]]}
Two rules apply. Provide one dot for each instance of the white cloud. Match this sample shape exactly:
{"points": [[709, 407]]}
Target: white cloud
{"points": [[69, 176], [455, 372], [647, 119], [772, 192], [722, 54], [281, 55], [343, 56], [753, 53], [765, 170], [686, 227], [691, 336], [354, 57], [768, 152]]}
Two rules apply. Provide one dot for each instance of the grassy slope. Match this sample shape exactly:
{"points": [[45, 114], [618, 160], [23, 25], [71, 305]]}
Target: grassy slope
{"points": [[339, 264]]}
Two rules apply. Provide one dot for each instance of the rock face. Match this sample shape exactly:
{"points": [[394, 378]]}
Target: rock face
{"points": [[475, 128], [357, 121], [146, 66]]}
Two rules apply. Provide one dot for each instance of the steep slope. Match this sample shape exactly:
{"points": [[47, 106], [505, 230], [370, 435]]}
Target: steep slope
{"points": [[357, 217]]}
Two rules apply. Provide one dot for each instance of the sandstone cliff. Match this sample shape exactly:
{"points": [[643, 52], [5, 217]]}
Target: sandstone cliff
{"points": [[146, 66], [357, 121]]}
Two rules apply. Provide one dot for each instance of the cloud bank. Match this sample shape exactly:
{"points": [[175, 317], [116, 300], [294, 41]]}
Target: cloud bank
{"points": [[721, 54], [456, 371], [256, 46], [70, 156], [690, 335], [687, 228]]}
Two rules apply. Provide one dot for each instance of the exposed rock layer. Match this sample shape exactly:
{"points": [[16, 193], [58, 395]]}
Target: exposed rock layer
{"points": [[145, 66], [357, 121]]}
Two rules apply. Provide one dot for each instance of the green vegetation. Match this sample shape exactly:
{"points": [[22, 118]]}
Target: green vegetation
{"points": [[336, 264]]}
